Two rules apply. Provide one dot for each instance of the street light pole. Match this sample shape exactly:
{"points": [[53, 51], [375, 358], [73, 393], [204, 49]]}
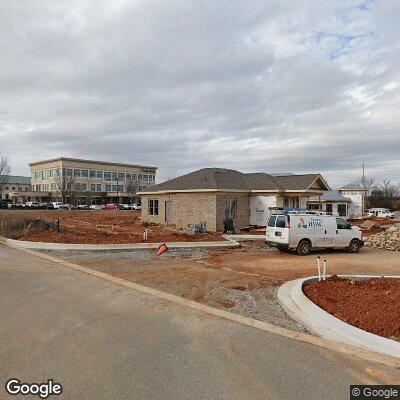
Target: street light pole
{"points": [[117, 190]]}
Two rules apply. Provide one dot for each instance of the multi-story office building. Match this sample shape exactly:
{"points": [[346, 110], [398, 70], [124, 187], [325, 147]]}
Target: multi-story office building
{"points": [[11, 187], [76, 181]]}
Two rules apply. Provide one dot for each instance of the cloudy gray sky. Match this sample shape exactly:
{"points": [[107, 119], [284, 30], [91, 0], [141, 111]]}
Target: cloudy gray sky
{"points": [[257, 85]]}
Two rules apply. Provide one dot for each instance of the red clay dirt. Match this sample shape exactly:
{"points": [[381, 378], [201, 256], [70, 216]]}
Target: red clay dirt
{"points": [[380, 224], [103, 227], [372, 305]]}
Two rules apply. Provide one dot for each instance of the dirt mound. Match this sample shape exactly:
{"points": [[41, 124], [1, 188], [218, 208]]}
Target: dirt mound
{"points": [[14, 227], [372, 304], [387, 240]]}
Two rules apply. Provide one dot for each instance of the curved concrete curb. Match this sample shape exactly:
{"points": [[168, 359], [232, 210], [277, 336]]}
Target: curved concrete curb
{"points": [[300, 308], [132, 246]]}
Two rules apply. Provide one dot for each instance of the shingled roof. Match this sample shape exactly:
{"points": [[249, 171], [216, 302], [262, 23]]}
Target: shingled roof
{"points": [[333, 196], [17, 180], [353, 186], [229, 179]]}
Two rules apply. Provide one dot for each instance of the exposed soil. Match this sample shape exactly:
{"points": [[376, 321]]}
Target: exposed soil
{"points": [[380, 225], [97, 227], [372, 305], [193, 274], [242, 280]]}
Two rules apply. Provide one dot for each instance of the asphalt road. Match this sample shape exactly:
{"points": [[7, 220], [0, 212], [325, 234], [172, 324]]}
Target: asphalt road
{"points": [[103, 341]]}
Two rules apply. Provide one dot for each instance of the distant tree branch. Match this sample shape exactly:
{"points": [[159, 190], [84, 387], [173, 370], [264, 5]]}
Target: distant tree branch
{"points": [[4, 169]]}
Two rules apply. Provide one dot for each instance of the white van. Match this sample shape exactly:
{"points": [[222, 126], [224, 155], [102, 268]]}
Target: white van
{"points": [[302, 232], [381, 213]]}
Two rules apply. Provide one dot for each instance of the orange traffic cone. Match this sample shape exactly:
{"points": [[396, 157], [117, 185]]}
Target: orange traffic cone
{"points": [[162, 249]]}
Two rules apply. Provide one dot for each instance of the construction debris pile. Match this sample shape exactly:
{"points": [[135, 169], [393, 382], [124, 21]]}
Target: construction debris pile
{"points": [[387, 240]]}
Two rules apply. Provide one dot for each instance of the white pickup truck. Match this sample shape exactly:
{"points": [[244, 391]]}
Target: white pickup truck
{"points": [[303, 232], [381, 213]]}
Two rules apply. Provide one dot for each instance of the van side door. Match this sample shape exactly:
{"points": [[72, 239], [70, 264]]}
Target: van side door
{"points": [[343, 232]]}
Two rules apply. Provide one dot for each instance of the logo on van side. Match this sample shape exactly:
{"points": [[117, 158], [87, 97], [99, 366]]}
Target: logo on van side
{"points": [[302, 223], [313, 222]]}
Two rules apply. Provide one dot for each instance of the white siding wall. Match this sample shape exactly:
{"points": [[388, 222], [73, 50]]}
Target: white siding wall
{"points": [[259, 209], [356, 207]]}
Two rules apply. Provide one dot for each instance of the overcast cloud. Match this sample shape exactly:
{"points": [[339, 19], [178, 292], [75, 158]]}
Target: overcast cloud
{"points": [[257, 85]]}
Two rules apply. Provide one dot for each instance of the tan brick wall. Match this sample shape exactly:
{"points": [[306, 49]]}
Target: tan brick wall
{"points": [[186, 209], [242, 219]]}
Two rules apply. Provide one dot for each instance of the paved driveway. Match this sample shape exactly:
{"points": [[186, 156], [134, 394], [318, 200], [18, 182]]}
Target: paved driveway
{"points": [[103, 341]]}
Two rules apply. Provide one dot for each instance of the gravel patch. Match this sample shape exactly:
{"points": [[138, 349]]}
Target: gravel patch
{"points": [[80, 255], [184, 273]]}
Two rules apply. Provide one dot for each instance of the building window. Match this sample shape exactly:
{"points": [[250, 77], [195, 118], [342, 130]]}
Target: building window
{"points": [[121, 176], [96, 187], [85, 173], [342, 210], [114, 188], [230, 208], [107, 176], [153, 207], [77, 172], [96, 174], [82, 200], [80, 186]]}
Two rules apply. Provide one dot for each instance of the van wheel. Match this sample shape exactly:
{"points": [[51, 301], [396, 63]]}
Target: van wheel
{"points": [[304, 248], [354, 246]]}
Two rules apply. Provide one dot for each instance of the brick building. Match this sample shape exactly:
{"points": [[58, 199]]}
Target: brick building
{"points": [[13, 187], [211, 196]]}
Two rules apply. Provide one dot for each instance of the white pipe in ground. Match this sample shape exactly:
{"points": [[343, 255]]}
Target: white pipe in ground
{"points": [[324, 273], [319, 268]]}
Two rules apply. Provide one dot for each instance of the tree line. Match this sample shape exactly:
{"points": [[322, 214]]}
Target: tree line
{"points": [[383, 194]]}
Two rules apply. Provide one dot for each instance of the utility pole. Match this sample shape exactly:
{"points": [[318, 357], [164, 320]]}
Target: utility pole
{"points": [[117, 190], [363, 175]]}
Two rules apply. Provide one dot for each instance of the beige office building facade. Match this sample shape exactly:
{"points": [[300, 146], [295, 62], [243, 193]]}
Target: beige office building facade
{"points": [[78, 181]]}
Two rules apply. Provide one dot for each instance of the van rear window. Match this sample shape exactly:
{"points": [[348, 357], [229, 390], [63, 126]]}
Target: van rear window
{"points": [[281, 222], [271, 221]]}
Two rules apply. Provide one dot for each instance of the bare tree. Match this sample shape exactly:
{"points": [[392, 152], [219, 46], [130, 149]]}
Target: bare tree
{"points": [[368, 183], [132, 187], [64, 185], [4, 172], [4, 169], [384, 194]]}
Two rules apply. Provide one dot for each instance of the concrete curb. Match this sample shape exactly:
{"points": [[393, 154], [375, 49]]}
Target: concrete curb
{"points": [[102, 247], [302, 337], [242, 238], [318, 321]]}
